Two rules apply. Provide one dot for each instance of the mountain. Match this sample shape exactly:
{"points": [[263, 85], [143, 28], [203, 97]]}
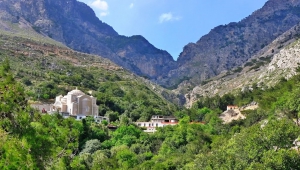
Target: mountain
{"points": [[224, 49], [277, 61], [75, 24], [229, 46]]}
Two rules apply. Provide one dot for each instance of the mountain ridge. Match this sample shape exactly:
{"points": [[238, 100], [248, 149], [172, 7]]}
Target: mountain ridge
{"points": [[228, 46], [75, 24], [278, 60], [223, 49]]}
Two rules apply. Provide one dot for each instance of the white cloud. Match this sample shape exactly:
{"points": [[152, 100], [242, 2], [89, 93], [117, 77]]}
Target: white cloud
{"points": [[100, 4], [168, 17], [103, 14], [131, 5]]}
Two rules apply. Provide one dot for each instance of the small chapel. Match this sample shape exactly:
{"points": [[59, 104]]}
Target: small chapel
{"points": [[76, 104]]}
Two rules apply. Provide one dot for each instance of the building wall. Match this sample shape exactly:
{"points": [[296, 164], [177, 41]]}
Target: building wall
{"points": [[85, 105], [157, 121], [76, 103]]}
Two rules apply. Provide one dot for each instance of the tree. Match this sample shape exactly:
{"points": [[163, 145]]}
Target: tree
{"points": [[127, 135], [13, 102], [126, 158], [91, 146], [293, 104], [259, 146], [15, 153]]}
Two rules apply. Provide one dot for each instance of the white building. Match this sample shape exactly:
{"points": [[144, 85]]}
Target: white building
{"points": [[99, 119], [157, 121], [232, 107], [76, 104]]}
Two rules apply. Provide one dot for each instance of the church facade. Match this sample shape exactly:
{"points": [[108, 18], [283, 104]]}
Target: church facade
{"points": [[76, 104]]}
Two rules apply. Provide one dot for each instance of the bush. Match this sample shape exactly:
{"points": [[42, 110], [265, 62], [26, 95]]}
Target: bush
{"points": [[91, 146], [26, 81]]}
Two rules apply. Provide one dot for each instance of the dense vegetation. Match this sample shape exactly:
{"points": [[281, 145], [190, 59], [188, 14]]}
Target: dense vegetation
{"points": [[47, 71], [264, 140], [30, 140]]}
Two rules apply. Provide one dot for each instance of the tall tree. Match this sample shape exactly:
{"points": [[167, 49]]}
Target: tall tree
{"points": [[12, 101]]}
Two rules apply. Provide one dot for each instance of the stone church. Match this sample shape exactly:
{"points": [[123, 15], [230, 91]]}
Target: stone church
{"points": [[76, 104]]}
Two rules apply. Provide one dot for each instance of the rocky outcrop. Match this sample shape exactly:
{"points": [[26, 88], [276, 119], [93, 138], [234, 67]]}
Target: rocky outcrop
{"points": [[231, 45], [75, 24], [231, 115]]}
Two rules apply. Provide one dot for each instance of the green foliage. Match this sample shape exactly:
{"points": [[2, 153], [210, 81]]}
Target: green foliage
{"points": [[26, 81], [12, 101], [91, 146], [139, 103], [216, 102], [250, 148], [126, 158], [14, 153], [29, 140], [51, 70], [125, 135], [92, 131], [293, 104]]}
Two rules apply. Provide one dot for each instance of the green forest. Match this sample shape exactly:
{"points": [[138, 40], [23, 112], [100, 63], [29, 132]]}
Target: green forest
{"points": [[30, 140]]}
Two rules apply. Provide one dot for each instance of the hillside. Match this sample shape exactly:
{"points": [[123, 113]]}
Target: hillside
{"points": [[229, 56], [48, 70], [35, 67], [268, 137], [75, 24], [278, 60]]}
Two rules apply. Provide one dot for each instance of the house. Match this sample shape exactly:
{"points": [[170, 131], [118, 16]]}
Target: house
{"points": [[157, 121], [99, 119], [232, 107]]}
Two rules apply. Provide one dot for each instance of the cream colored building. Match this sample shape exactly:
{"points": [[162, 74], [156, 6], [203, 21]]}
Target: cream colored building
{"points": [[157, 121], [76, 104]]}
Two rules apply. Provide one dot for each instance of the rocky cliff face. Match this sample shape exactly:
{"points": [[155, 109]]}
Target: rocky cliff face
{"points": [[229, 46], [280, 59], [75, 24]]}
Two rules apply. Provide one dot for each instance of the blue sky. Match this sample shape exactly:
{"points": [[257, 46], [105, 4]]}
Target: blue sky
{"points": [[171, 24]]}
